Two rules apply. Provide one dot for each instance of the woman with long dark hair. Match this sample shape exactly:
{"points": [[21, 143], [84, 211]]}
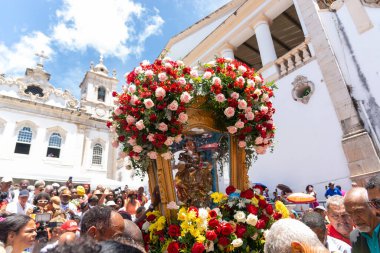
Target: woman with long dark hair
{"points": [[310, 190], [17, 232]]}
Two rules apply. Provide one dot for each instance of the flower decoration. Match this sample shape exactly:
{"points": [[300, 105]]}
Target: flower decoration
{"points": [[150, 113], [237, 224], [241, 102]]}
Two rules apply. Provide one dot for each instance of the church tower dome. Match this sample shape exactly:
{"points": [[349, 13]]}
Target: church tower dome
{"points": [[100, 68]]}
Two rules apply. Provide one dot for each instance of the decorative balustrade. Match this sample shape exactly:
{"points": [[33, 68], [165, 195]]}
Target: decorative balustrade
{"points": [[294, 58]]}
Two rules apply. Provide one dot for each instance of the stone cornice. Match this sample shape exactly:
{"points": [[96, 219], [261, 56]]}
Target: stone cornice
{"points": [[71, 115]]}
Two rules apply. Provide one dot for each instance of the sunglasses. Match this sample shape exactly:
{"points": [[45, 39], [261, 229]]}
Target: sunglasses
{"points": [[42, 201], [375, 203]]}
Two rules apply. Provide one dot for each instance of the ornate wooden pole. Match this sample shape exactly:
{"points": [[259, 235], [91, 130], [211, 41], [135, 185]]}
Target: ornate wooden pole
{"points": [[239, 171]]}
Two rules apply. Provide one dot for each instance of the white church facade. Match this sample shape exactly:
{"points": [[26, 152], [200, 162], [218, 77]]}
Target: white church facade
{"points": [[46, 133], [324, 57]]}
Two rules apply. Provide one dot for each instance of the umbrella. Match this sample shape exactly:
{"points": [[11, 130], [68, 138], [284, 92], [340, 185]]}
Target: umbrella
{"points": [[259, 185], [284, 188], [300, 198]]}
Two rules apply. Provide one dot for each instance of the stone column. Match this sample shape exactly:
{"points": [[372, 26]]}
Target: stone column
{"points": [[265, 42], [227, 51]]}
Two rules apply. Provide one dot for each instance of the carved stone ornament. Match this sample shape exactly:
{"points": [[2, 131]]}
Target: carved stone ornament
{"points": [[371, 3], [303, 89]]}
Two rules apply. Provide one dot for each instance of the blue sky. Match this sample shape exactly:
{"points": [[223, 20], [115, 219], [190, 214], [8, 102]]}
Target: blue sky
{"points": [[75, 32]]}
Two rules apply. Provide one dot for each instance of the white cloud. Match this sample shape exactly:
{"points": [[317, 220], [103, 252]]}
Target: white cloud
{"points": [[106, 26], [70, 80], [16, 58]]}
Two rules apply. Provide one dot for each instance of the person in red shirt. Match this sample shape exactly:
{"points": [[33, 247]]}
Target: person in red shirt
{"points": [[341, 223]]}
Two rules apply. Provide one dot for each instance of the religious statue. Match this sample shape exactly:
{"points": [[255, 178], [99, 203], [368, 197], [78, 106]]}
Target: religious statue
{"points": [[193, 180]]}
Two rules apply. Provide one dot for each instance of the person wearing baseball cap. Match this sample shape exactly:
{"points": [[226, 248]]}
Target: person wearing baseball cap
{"points": [[69, 208], [21, 206], [70, 226]]}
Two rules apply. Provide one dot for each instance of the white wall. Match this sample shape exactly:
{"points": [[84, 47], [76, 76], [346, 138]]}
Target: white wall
{"points": [[308, 146]]}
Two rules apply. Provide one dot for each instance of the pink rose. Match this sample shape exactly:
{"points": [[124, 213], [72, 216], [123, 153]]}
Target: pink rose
{"points": [[220, 98], [239, 124], [169, 141], [140, 124], [160, 92], [145, 63], [168, 65], [130, 119], [182, 117], [180, 63], [257, 92], [118, 111], [248, 109], [242, 69], [137, 149], [138, 70], [116, 101], [265, 97], [124, 88], [258, 79], [173, 106], [259, 140], [185, 97], [131, 141], [178, 138], [115, 143], [216, 80], [207, 75], [250, 83], [136, 158], [232, 129], [242, 144], [260, 150], [194, 73], [266, 141], [182, 81], [162, 127], [152, 155], [122, 155], [249, 116], [235, 95], [240, 79], [242, 104], [150, 137], [134, 99], [148, 103], [264, 109], [229, 112], [162, 77], [149, 73], [132, 88], [167, 155]]}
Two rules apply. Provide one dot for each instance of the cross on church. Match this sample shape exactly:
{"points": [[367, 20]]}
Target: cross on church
{"points": [[42, 57]]}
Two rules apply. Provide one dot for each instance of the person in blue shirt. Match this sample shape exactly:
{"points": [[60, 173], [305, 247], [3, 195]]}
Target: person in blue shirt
{"points": [[365, 238], [332, 190]]}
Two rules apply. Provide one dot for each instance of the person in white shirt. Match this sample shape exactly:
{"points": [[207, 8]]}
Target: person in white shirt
{"points": [[66, 206], [21, 206]]}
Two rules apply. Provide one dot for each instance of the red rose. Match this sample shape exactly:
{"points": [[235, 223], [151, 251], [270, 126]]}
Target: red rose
{"points": [[252, 209], [227, 229], [174, 230], [263, 203], [114, 94], [269, 209], [230, 189], [240, 230], [151, 217], [224, 241], [197, 248], [213, 223], [173, 247], [213, 214], [277, 216], [121, 138], [211, 235], [248, 194], [260, 224]]}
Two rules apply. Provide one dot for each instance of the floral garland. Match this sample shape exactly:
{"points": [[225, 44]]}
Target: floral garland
{"points": [[237, 224], [241, 103], [151, 110]]}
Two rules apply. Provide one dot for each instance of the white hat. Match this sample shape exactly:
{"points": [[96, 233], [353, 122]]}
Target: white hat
{"points": [[320, 208], [55, 185], [7, 180], [110, 203]]}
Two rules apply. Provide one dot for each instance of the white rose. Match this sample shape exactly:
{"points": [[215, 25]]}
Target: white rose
{"points": [[149, 73], [251, 219], [160, 92], [194, 73], [168, 65], [145, 63], [242, 69], [146, 226], [216, 81], [237, 243], [207, 75], [239, 216], [140, 124], [203, 213], [132, 88], [138, 70], [258, 79], [162, 77]]}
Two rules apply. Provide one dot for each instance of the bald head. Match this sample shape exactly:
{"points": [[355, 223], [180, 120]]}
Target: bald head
{"points": [[67, 237], [356, 195]]}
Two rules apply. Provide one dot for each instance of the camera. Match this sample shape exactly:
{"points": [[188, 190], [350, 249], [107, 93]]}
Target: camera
{"points": [[117, 191], [42, 219]]}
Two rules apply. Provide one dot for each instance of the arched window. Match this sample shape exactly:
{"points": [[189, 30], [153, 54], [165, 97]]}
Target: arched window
{"points": [[101, 94], [54, 147], [24, 140], [97, 154]]}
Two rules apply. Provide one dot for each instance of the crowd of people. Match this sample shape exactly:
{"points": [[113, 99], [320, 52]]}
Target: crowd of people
{"points": [[42, 217], [68, 218]]}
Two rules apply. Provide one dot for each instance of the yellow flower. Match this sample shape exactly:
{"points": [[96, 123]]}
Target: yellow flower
{"points": [[161, 222], [182, 214], [255, 201], [192, 215], [194, 232], [200, 238], [217, 197], [281, 208]]}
